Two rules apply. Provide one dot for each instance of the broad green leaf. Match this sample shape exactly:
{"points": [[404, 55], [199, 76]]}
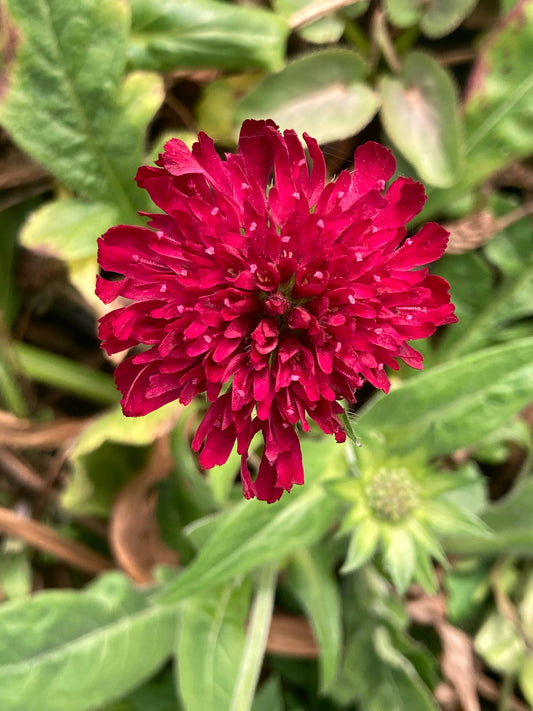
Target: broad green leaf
{"points": [[60, 105], [251, 534], [311, 578], [498, 120], [204, 33], [456, 404], [526, 679], [322, 93], [436, 18], [210, 645], [420, 114], [68, 229], [327, 29], [102, 462], [74, 651], [500, 644]]}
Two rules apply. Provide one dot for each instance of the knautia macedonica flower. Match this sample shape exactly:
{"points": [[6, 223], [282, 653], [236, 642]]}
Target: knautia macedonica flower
{"points": [[272, 291]]}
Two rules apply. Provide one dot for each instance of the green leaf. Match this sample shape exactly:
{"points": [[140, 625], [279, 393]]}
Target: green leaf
{"points": [[420, 115], [456, 404], [102, 463], [363, 544], [74, 651], [210, 645], [204, 33], [526, 679], [435, 17], [327, 29], [62, 99], [500, 645], [497, 112], [269, 697], [498, 120], [322, 93], [489, 306], [66, 374], [311, 579], [68, 229], [379, 676], [399, 556], [251, 534], [509, 522]]}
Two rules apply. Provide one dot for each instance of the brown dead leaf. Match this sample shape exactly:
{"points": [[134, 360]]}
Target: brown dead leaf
{"points": [[18, 432], [457, 649], [291, 636], [470, 232], [134, 535], [475, 230]]}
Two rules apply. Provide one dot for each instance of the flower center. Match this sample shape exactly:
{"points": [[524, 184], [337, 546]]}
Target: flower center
{"points": [[392, 494]]}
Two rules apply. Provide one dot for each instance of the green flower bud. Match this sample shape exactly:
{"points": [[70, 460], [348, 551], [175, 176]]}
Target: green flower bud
{"points": [[392, 494]]}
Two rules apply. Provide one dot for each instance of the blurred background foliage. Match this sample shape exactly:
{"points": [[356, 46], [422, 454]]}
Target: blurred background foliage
{"points": [[401, 574]]}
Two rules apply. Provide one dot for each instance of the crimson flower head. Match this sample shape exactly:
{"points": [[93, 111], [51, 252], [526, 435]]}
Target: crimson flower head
{"points": [[274, 292]]}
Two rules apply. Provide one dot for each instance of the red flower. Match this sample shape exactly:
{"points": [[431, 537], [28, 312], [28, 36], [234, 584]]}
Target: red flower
{"points": [[275, 298]]}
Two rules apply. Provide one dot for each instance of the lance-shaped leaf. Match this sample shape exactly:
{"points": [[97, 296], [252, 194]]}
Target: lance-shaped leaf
{"points": [[252, 534], [420, 115], [456, 404], [210, 645]]}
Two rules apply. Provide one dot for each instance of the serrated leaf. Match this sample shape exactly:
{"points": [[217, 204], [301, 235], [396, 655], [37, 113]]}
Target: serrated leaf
{"points": [[322, 93], [84, 649], [210, 645], [61, 101], [456, 404], [252, 534], [420, 114], [311, 579], [204, 33]]}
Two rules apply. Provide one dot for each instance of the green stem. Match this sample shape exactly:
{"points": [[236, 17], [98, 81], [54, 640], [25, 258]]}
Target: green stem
{"points": [[256, 639]]}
